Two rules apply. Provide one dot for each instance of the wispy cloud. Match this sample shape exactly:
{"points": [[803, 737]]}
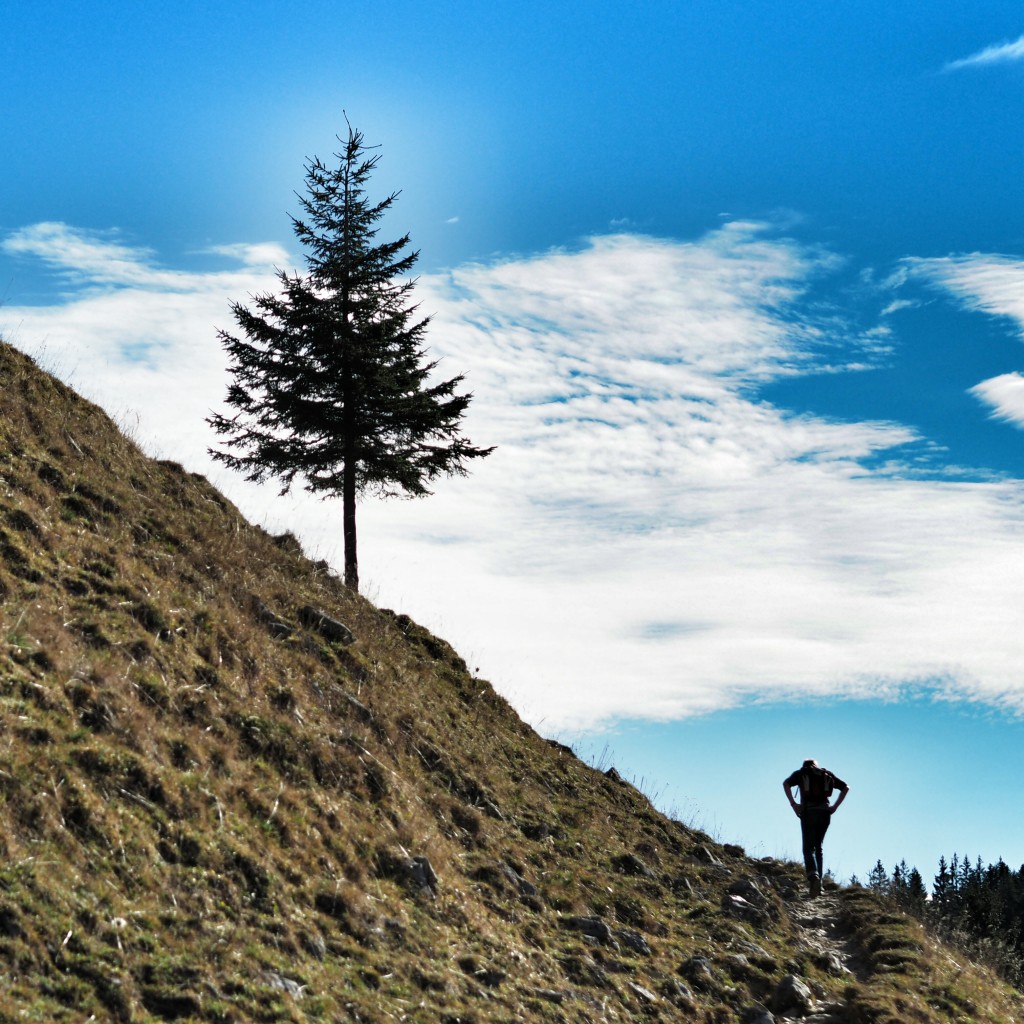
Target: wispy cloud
{"points": [[898, 304], [991, 284], [132, 334], [651, 537], [981, 282], [999, 53], [102, 260], [1004, 395]]}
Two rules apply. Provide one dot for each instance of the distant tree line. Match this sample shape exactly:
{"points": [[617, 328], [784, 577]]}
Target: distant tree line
{"points": [[980, 908]]}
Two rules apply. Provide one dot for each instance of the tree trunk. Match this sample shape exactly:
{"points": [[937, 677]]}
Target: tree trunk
{"points": [[348, 503], [348, 480]]}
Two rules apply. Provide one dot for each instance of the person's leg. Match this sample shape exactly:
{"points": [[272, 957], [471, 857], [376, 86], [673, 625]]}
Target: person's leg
{"points": [[820, 822], [814, 823], [808, 833]]}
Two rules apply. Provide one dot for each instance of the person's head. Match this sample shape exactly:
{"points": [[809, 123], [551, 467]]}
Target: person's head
{"points": [[810, 763]]}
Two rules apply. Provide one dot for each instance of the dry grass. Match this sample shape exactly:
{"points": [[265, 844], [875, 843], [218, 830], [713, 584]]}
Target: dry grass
{"points": [[208, 810], [912, 976]]}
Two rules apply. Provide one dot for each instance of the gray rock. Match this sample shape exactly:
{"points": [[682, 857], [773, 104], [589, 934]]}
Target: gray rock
{"points": [[422, 873], [644, 993], [283, 984], [747, 888], [752, 949], [634, 941], [829, 1011], [678, 993], [631, 864], [834, 965], [525, 888], [277, 627], [593, 927], [550, 994], [792, 997], [320, 622], [697, 971], [748, 902], [738, 907], [758, 1014], [416, 872]]}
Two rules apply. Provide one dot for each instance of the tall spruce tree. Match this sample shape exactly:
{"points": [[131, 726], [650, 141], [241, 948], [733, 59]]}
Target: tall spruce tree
{"points": [[330, 377]]}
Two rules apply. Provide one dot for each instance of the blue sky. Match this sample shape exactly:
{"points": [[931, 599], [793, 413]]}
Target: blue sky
{"points": [[739, 288]]}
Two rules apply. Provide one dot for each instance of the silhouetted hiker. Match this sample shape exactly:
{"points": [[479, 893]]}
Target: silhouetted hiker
{"points": [[816, 786]]}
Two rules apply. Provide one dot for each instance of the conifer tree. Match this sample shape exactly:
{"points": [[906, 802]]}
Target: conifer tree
{"points": [[942, 884], [917, 894], [331, 383], [878, 878]]}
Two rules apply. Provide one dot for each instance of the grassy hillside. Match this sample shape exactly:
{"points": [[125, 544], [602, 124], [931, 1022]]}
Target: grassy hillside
{"points": [[217, 806]]}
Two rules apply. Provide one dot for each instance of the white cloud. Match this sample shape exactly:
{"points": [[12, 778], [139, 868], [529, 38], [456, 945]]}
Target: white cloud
{"points": [[1005, 395], [132, 335], [999, 53], [260, 254], [991, 284], [898, 304], [100, 261], [650, 538], [982, 282]]}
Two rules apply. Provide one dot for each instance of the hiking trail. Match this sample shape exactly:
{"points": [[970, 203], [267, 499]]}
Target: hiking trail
{"points": [[821, 933], [820, 926]]}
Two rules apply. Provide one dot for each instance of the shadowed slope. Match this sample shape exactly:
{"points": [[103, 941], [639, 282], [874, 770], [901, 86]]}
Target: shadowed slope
{"points": [[215, 805]]}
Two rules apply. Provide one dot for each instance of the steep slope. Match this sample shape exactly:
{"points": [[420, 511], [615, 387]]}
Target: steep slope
{"points": [[217, 804]]}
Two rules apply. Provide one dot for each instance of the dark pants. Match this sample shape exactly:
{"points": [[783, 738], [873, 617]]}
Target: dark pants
{"points": [[814, 823]]}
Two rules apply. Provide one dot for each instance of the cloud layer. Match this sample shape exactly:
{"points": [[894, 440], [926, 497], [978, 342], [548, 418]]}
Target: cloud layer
{"points": [[651, 538]]}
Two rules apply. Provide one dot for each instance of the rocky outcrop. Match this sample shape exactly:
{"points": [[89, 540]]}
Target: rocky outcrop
{"points": [[319, 621]]}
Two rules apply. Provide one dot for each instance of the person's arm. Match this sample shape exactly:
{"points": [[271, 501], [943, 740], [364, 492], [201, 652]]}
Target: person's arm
{"points": [[788, 790], [842, 797]]}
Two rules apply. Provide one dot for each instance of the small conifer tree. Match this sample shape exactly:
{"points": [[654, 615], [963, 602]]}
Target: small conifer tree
{"points": [[331, 383], [942, 885], [917, 894], [878, 878]]}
